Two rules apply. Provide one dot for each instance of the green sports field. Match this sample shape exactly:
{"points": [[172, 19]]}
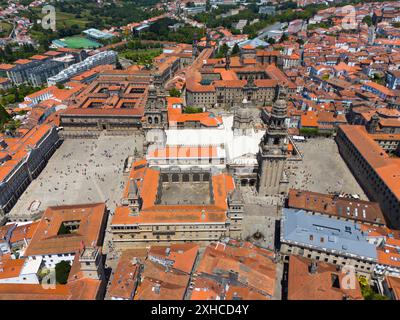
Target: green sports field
{"points": [[77, 42]]}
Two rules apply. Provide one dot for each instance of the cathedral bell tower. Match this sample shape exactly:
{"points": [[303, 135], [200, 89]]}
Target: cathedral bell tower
{"points": [[208, 38], [155, 113], [272, 179], [195, 47], [227, 61]]}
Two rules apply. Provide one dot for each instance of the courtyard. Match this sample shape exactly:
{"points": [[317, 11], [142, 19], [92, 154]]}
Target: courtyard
{"points": [[322, 169], [185, 193], [81, 171]]}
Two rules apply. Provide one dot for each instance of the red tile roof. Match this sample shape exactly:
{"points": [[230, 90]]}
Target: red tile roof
{"points": [[304, 285], [46, 239]]}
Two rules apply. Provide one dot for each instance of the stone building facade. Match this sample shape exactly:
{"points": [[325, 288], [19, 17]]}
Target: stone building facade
{"points": [[253, 76], [147, 217], [377, 173]]}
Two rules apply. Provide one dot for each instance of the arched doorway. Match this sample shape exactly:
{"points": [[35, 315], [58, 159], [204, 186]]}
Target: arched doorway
{"points": [[175, 177], [165, 178]]}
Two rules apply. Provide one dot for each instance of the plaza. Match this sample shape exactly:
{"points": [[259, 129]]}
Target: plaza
{"points": [[323, 169], [81, 171]]}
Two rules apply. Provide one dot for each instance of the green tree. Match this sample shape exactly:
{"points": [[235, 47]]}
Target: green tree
{"points": [[4, 116], [368, 20], [235, 49], [118, 65], [174, 92], [284, 38], [309, 131], [224, 49], [62, 272], [189, 109], [369, 294]]}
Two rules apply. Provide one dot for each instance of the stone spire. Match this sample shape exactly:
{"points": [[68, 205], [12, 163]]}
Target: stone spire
{"points": [[195, 46], [227, 61]]}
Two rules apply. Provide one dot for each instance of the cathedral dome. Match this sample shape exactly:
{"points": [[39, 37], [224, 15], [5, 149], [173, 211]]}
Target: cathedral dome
{"points": [[279, 108]]}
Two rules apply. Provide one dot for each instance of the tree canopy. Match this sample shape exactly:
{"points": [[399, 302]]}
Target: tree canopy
{"points": [[62, 272]]}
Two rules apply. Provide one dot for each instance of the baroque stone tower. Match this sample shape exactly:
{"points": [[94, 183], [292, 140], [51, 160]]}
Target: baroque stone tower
{"points": [[91, 263], [235, 213], [155, 114], [134, 199], [272, 155]]}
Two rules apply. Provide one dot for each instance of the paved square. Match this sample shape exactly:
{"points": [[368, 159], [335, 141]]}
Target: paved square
{"points": [[323, 169], [82, 171], [259, 219]]}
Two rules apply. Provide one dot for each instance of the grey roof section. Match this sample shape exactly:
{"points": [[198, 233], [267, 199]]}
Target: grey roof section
{"points": [[326, 234], [98, 34], [37, 66], [254, 42]]}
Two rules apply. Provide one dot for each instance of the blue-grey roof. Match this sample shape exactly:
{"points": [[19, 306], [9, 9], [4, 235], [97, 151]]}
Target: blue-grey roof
{"points": [[324, 233], [254, 42], [98, 34]]}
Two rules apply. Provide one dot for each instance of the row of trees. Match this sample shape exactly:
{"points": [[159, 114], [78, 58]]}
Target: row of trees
{"points": [[160, 31], [11, 52], [16, 94], [142, 57]]}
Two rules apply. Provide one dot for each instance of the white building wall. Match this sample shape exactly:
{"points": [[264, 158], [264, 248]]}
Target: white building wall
{"points": [[51, 260]]}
